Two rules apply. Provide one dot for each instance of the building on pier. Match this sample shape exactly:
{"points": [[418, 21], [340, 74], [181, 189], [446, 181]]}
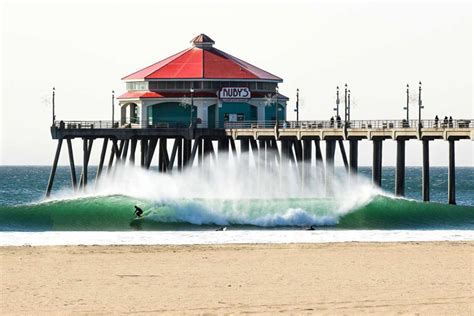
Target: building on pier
{"points": [[201, 85]]}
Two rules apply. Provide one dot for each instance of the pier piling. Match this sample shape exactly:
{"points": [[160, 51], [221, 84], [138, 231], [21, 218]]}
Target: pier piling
{"points": [[353, 155], [451, 173], [377, 162], [102, 158], [72, 166], [343, 154], [53, 169], [425, 185], [400, 168]]}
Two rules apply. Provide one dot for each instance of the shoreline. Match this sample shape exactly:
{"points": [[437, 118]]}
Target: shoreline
{"points": [[211, 237], [403, 277]]}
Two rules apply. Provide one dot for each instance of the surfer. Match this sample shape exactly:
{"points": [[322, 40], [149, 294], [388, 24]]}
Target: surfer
{"points": [[221, 229], [310, 228], [138, 212]]}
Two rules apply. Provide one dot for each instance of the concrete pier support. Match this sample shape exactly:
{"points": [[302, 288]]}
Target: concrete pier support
{"points": [[102, 158], [319, 155], [53, 169], [87, 148], [125, 151], [400, 168], [143, 151], [452, 173], [133, 148], [180, 154], [262, 154], [377, 162], [223, 148], [187, 147], [353, 156], [163, 158], [330, 152], [286, 152], [306, 165], [150, 151], [244, 151], [343, 154], [200, 152], [425, 185], [72, 166]]}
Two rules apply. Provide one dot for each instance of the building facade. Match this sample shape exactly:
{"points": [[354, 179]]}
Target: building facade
{"points": [[203, 87]]}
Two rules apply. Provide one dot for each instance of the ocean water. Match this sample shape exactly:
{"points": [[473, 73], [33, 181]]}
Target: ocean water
{"points": [[190, 206]]}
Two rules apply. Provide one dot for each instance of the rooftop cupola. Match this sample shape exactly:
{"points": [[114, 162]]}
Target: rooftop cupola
{"points": [[202, 41]]}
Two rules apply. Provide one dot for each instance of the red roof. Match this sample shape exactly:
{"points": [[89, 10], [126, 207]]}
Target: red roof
{"points": [[197, 94], [202, 61]]}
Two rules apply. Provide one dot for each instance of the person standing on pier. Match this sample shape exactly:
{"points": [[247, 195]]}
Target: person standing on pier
{"points": [[331, 122], [445, 122], [436, 121], [450, 122]]}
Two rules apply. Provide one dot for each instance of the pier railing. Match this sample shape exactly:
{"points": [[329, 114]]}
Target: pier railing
{"points": [[315, 124]]}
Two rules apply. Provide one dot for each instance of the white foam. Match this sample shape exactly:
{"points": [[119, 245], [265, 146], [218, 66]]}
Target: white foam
{"points": [[228, 237]]}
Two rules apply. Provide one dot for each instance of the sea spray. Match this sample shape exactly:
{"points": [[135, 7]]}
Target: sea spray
{"points": [[233, 193]]}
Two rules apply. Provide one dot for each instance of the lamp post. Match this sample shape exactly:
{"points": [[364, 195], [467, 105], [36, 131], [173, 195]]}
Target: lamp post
{"points": [[297, 110], [349, 106], [54, 115], [419, 105], [345, 103], [408, 104], [337, 102], [192, 108], [113, 108], [276, 107]]}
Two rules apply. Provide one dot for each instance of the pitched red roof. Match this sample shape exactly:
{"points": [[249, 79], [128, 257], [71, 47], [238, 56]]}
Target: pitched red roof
{"points": [[202, 61], [197, 94]]}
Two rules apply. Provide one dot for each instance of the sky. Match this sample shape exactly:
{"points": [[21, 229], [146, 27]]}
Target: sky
{"points": [[376, 47]]}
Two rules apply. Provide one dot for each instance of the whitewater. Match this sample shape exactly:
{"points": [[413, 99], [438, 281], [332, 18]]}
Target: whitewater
{"points": [[255, 204]]}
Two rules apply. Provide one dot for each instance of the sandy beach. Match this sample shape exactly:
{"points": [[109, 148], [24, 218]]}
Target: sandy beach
{"points": [[346, 278]]}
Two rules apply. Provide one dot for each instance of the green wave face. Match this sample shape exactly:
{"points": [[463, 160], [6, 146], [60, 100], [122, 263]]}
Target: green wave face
{"points": [[115, 213]]}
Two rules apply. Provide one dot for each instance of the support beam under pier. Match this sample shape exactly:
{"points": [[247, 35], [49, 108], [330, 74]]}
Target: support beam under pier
{"points": [[353, 156], [425, 185], [452, 173], [102, 158], [53, 169], [377, 162], [72, 166], [343, 154], [133, 148], [400, 168]]}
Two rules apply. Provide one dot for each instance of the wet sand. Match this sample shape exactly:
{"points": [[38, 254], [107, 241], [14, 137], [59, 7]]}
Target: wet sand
{"points": [[345, 278]]}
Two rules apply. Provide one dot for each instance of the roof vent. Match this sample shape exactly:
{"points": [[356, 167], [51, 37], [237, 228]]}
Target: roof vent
{"points": [[202, 41]]}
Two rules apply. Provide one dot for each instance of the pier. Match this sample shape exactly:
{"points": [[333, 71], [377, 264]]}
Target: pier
{"points": [[274, 143], [210, 104]]}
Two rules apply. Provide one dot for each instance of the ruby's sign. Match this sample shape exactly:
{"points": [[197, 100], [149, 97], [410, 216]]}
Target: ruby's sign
{"points": [[235, 94]]}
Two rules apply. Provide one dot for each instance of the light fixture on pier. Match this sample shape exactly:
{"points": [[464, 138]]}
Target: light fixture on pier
{"points": [[345, 102], [54, 114], [348, 105], [420, 106], [337, 101], [408, 103], [297, 109], [192, 108], [113, 108], [276, 107]]}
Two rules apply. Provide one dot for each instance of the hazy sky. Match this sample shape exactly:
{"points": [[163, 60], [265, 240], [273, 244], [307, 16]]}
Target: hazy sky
{"points": [[84, 48]]}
